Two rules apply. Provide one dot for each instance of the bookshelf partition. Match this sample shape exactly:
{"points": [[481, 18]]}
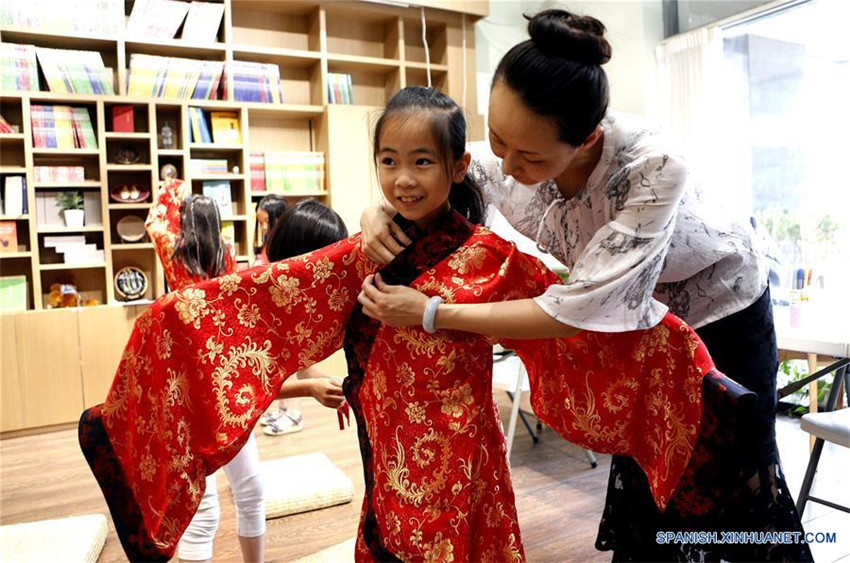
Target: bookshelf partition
{"points": [[379, 47]]}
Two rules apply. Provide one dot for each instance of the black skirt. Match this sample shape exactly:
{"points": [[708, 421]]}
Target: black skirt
{"points": [[734, 482]]}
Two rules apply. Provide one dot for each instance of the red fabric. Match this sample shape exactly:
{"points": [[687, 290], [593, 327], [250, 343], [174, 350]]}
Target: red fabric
{"points": [[204, 362]]}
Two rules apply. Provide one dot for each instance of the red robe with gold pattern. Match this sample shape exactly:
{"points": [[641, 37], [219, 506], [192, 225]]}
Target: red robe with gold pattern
{"points": [[204, 363]]}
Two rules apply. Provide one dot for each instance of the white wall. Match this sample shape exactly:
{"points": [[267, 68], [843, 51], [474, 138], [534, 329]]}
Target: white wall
{"points": [[634, 29]]}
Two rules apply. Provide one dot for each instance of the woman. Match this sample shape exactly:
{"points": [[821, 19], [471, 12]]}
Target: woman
{"points": [[601, 193]]}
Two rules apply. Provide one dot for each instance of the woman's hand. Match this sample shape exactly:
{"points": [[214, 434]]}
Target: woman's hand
{"points": [[393, 305], [381, 239], [328, 391]]}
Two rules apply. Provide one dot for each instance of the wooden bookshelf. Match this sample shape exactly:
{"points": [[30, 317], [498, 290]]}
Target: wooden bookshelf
{"points": [[380, 46]]}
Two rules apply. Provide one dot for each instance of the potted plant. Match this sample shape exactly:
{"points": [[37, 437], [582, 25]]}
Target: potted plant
{"points": [[71, 204]]}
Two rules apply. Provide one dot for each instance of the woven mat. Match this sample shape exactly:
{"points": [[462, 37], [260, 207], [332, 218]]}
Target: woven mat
{"points": [[303, 482], [78, 539], [339, 553]]}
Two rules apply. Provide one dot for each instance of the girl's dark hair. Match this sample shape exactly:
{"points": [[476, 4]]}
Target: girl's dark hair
{"points": [[199, 247], [558, 73], [275, 206], [448, 125], [306, 226]]}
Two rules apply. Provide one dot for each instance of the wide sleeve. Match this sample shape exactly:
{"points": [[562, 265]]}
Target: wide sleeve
{"points": [[201, 366], [635, 393], [163, 221], [613, 278]]}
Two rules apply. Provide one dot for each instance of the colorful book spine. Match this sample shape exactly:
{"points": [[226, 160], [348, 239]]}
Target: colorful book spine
{"points": [[258, 171], [18, 67]]}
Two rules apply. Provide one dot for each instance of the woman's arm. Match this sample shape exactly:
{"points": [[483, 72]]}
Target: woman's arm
{"points": [[396, 305]]}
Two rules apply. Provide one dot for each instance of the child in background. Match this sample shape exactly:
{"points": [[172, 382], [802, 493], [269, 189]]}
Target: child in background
{"points": [[306, 226], [269, 210]]}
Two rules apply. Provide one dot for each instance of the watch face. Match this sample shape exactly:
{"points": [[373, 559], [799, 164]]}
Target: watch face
{"points": [[131, 283], [167, 172]]}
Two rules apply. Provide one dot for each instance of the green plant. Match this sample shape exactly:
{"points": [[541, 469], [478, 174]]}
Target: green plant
{"points": [[69, 200], [795, 370]]}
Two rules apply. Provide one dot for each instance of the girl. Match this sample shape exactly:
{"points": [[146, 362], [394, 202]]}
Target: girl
{"points": [[269, 210], [304, 227], [434, 459], [602, 194]]}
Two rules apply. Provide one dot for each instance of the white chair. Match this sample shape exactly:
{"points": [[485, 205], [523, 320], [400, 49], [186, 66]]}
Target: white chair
{"points": [[829, 425], [510, 375]]}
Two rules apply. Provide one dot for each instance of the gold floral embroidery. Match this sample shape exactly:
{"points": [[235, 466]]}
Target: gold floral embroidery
{"points": [[467, 259], [163, 345], [415, 413], [285, 292], [321, 269], [439, 551], [249, 315], [191, 306], [229, 283], [338, 299]]}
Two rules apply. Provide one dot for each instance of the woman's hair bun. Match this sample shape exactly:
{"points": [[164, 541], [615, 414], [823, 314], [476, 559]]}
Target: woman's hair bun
{"points": [[577, 38]]}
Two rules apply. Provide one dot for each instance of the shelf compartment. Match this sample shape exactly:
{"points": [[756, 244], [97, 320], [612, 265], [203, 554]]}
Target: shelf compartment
{"points": [[13, 114], [141, 256], [141, 148], [363, 34], [372, 86], [21, 266], [414, 48], [22, 247], [90, 281], [12, 153], [237, 192], [89, 160], [419, 77], [173, 116], [141, 123], [284, 25], [301, 78], [116, 215], [276, 130]]}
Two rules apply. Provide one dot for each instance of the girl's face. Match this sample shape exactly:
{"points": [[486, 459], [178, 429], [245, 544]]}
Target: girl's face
{"points": [[262, 223], [411, 171], [527, 143]]}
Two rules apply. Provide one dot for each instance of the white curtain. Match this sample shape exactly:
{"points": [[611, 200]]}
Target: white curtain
{"points": [[697, 113]]}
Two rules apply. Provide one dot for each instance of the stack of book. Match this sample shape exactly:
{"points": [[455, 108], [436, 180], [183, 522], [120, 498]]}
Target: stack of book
{"points": [[257, 82], [62, 127], [294, 172], [200, 131], [74, 72], [339, 89], [18, 68], [257, 168], [207, 166], [173, 77], [101, 16], [58, 174]]}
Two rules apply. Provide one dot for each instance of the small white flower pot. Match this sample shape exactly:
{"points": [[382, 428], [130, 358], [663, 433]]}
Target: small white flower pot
{"points": [[74, 217]]}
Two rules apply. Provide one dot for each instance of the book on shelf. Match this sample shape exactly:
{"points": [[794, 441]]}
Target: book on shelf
{"points": [[295, 172], [101, 16], [62, 127], [339, 89], [123, 120], [202, 22], [70, 71], [15, 196], [8, 236], [228, 233], [13, 293], [6, 127], [18, 67], [207, 166], [256, 82], [257, 166], [174, 77], [59, 173], [156, 19], [219, 191], [225, 127], [198, 126]]}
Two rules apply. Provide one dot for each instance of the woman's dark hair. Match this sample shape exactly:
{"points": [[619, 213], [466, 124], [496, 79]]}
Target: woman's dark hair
{"points": [[199, 247], [275, 206], [558, 73], [448, 125], [306, 226]]}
